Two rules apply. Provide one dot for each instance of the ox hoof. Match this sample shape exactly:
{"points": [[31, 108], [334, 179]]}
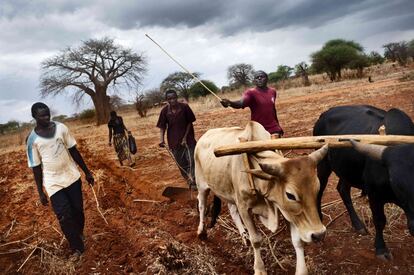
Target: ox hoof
{"points": [[384, 255], [362, 231], [202, 235]]}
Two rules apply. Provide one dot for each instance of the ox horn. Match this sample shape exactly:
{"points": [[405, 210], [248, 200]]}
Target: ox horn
{"points": [[274, 169], [371, 150], [260, 174], [319, 154]]}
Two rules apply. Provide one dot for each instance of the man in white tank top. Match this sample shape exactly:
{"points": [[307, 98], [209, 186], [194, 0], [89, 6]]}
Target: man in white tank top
{"points": [[52, 155]]}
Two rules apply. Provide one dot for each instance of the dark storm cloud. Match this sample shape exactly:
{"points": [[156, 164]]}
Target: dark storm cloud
{"points": [[228, 17], [15, 8], [164, 13], [398, 14], [237, 16]]}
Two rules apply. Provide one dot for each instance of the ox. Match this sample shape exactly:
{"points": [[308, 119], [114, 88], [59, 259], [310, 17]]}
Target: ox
{"points": [[290, 185], [385, 174]]}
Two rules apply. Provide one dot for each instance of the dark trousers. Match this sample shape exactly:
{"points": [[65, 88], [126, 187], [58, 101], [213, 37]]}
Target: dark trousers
{"points": [[184, 155], [67, 204]]}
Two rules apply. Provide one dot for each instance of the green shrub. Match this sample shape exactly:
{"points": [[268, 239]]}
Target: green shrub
{"points": [[87, 114], [60, 118], [10, 126], [198, 90]]}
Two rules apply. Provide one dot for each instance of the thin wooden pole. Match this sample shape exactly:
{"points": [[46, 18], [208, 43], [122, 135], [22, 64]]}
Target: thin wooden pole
{"points": [[97, 205], [196, 78]]}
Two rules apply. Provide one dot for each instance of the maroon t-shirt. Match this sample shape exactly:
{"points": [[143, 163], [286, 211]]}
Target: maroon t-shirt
{"points": [[262, 107], [176, 124]]}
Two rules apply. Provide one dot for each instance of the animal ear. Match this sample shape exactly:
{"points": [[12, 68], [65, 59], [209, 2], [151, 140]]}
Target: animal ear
{"points": [[254, 131], [260, 174], [319, 154], [371, 150], [275, 169]]}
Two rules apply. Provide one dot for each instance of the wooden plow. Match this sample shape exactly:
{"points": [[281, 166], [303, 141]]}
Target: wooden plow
{"points": [[310, 142]]}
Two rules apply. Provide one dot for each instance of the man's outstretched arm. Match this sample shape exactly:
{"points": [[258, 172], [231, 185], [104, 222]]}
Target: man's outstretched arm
{"points": [[237, 104]]}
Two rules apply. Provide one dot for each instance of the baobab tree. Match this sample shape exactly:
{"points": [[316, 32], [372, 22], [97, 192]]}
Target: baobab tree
{"points": [[96, 67], [240, 75]]}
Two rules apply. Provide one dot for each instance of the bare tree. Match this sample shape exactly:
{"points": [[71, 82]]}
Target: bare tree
{"points": [[240, 75], [181, 82], [116, 102], [142, 105], [397, 52], [302, 70], [94, 68], [154, 96]]}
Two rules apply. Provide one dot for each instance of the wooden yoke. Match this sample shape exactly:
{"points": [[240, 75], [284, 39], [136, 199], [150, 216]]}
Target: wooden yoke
{"points": [[247, 166], [311, 142]]}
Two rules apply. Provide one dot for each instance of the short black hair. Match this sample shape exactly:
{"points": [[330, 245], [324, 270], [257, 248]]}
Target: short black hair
{"points": [[113, 114], [170, 91], [256, 73], [37, 106]]}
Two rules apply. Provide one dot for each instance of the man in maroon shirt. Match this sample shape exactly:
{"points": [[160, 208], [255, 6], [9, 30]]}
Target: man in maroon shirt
{"points": [[177, 118], [261, 101]]}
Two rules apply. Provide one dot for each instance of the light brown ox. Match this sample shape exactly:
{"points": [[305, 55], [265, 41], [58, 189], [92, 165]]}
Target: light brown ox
{"points": [[290, 185]]}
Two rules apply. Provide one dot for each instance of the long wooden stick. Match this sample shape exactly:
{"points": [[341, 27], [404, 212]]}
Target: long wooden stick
{"points": [[20, 241], [334, 219], [10, 229], [311, 142], [142, 200], [28, 257], [272, 251], [97, 205], [196, 78]]}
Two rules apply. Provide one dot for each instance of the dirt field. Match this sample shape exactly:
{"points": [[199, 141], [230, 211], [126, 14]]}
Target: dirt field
{"points": [[160, 237]]}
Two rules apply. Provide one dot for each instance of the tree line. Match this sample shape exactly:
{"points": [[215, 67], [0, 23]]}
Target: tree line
{"points": [[99, 67]]}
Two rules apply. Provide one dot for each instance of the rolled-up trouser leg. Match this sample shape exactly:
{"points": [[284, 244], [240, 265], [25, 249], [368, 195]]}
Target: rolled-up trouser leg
{"points": [[64, 212], [180, 155], [184, 155]]}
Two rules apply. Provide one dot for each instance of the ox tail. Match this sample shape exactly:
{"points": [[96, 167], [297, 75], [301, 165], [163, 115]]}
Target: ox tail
{"points": [[215, 211]]}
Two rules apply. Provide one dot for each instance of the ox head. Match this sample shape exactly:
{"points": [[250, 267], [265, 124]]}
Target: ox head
{"points": [[399, 164], [292, 186]]}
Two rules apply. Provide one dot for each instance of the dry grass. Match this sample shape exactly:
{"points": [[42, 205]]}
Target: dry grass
{"points": [[56, 264], [394, 214], [178, 258], [277, 251], [407, 77], [34, 248]]}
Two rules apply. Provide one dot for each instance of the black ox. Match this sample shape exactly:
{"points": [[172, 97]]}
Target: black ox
{"points": [[384, 173]]}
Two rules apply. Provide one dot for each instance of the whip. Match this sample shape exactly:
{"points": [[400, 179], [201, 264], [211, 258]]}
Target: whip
{"points": [[196, 78]]}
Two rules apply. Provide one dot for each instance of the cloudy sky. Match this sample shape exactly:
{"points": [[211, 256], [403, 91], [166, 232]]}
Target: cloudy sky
{"points": [[205, 36]]}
